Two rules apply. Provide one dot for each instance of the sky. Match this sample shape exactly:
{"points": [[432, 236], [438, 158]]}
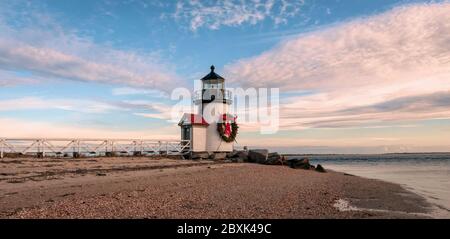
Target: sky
{"points": [[354, 76]]}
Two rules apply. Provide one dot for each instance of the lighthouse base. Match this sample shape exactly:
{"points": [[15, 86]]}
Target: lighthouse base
{"points": [[207, 155]]}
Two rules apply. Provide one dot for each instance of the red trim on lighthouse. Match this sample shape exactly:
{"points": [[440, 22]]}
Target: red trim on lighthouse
{"points": [[193, 119], [198, 120]]}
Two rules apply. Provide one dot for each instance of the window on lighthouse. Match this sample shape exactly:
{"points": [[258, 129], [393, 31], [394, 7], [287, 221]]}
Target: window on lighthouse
{"points": [[213, 86]]}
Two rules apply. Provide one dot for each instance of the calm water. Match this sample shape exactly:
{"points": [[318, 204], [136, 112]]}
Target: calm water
{"points": [[424, 174]]}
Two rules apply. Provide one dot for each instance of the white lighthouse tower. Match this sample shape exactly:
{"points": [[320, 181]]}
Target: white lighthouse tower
{"points": [[212, 129]]}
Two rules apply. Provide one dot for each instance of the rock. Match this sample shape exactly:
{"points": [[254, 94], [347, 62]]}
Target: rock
{"points": [[242, 156], [258, 155], [274, 154], [238, 156], [299, 163], [274, 159], [200, 155], [232, 154], [237, 160], [218, 156], [319, 168]]}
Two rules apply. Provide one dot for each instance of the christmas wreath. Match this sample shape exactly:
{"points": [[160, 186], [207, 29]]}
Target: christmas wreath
{"points": [[227, 130]]}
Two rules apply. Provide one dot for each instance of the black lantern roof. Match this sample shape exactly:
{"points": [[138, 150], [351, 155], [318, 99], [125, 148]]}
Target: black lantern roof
{"points": [[212, 75]]}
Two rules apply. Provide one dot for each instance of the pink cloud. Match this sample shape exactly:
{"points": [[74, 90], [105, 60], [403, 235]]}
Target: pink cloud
{"points": [[398, 54]]}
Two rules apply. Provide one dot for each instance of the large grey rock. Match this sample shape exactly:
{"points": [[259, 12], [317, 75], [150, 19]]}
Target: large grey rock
{"points": [[237, 160], [242, 156], [299, 163], [258, 155], [218, 156], [274, 159], [319, 168], [232, 154]]}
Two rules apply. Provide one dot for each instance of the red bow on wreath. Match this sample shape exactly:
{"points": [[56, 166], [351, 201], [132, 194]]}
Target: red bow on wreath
{"points": [[227, 131]]}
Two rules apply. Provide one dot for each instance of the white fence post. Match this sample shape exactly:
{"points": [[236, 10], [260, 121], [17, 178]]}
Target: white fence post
{"points": [[43, 148]]}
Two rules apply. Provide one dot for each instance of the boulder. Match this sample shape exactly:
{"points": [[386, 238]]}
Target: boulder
{"points": [[274, 159], [274, 155], [242, 156], [237, 160], [299, 163], [232, 154], [218, 156], [238, 156], [319, 168], [258, 155]]}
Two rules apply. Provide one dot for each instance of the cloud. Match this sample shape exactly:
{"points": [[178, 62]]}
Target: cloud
{"points": [[30, 129], [418, 107], [368, 70], [410, 104], [135, 91], [143, 108], [47, 50], [8, 78], [76, 105], [215, 14], [170, 113]]}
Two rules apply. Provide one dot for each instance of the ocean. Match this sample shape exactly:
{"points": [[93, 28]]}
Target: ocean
{"points": [[427, 174]]}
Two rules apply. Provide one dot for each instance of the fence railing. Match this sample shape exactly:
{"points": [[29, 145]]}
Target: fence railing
{"points": [[42, 147]]}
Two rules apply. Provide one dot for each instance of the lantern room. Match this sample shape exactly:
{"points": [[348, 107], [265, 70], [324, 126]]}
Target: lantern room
{"points": [[213, 89]]}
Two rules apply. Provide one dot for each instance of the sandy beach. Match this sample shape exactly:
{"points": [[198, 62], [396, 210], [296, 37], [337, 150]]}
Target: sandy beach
{"points": [[139, 187]]}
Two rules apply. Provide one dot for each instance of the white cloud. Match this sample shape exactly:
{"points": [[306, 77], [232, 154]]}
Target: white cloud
{"points": [[214, 14], [170, 113], [76, 105], [401, 54], [42, 47], [135, 91]]}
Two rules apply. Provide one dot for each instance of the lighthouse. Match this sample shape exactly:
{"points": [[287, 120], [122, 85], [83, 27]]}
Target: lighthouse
{"points": [[212, 129]]}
